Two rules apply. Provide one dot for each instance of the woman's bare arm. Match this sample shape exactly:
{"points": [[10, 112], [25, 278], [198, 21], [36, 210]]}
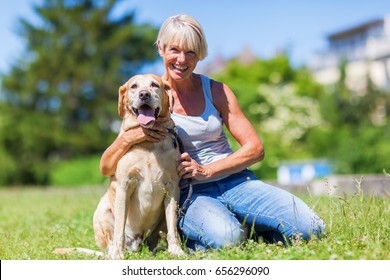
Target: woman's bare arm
{"points": [[125, 141]]}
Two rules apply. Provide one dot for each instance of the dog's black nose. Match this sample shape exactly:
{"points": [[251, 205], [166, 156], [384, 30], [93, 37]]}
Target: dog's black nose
{"points": [[144, 95]]}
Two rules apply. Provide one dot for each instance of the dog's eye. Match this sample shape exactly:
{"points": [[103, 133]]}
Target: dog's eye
{"points": [[134, 86], [154, 85]]}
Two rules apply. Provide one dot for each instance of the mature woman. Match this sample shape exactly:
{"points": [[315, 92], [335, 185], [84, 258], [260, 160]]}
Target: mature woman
{"points": [[227, 197]]}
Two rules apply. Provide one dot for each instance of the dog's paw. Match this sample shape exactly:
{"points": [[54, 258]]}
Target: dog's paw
{"points": [[175, 250], [115, 253], [133, 244]]}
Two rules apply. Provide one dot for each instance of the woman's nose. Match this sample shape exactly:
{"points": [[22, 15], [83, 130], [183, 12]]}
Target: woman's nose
{"points": [[181, 57]]}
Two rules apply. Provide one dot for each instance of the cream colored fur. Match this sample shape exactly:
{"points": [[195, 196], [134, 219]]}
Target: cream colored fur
{"points": [[142, 198]]}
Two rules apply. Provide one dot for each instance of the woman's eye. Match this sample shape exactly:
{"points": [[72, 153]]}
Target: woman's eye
{"points": [[173, 50]]}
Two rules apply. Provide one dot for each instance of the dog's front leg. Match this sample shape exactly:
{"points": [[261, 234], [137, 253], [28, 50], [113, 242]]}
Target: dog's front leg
{"points": [[123, 192], [171, 217]]}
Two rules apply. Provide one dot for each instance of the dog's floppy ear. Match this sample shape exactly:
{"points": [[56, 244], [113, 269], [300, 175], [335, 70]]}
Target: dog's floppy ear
{"points": [[168, 90], [167, 99], [121, 97]]}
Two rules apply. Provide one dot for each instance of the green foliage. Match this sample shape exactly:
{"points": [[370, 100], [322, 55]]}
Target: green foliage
{"points": [[358, 227], [60, 99], [297, 118], [8, 167], [280, 102], [358, 128]]}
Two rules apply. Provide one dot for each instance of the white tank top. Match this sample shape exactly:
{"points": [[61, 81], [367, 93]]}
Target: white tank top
{"points": [[203, 136]]}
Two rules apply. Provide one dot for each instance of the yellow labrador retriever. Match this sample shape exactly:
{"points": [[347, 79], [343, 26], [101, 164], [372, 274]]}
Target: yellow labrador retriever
{"points": [[143, 196]]}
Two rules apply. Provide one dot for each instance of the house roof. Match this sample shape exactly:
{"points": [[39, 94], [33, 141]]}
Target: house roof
{"points": [[349, 32]]}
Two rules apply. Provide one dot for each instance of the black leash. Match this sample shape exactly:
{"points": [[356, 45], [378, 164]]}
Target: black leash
{"points": [[177, 142]]}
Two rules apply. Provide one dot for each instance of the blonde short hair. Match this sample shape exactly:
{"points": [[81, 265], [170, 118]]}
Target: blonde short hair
{"points": [[185, 32]]}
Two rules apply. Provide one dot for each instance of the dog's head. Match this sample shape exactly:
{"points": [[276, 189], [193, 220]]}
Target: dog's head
{"points": [[145, 97]]}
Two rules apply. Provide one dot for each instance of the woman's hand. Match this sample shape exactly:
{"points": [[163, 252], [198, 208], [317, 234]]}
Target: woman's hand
{"points": [[139, 134], [126, 140], [188, 168]]}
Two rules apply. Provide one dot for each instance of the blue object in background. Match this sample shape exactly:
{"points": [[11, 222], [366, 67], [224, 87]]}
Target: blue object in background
{"points": [[300, 172]]}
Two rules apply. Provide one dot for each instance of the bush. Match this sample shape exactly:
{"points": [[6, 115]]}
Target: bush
{"points": [[8, 167], [77, 172]]}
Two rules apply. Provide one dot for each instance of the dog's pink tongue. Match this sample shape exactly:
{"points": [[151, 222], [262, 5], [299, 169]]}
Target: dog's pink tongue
{"points": [[146, 117]]}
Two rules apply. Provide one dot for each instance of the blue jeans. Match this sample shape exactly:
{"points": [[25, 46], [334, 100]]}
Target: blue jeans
{"points": [[219, 212]]}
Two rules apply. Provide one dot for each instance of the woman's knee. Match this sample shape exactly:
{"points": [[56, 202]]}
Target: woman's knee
{"points": [[228, 234], [210, 223]]}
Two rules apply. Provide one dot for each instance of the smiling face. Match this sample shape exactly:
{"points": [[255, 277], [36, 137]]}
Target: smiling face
{"points": [[144, 97], [181, 43], [179, 62]]}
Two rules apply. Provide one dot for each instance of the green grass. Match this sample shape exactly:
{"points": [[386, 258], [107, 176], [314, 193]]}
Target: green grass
{"points": [[35, 221]]}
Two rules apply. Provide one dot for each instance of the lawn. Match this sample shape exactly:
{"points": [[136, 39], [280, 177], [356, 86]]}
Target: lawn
{"points": [[35, 221]]}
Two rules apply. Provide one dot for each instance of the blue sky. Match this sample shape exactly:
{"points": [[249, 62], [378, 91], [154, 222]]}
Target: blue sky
{"points": [[301, 26]]}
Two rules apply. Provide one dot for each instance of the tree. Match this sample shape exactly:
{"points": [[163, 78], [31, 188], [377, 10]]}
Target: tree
{"points": [[358, 130], [60, 99]]}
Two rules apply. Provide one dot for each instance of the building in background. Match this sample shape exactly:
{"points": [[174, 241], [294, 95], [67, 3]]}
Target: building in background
{"points": [[366, 51]]}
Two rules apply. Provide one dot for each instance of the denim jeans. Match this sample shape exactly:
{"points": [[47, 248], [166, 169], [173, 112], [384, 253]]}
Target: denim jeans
{"points": [[219, 212]]}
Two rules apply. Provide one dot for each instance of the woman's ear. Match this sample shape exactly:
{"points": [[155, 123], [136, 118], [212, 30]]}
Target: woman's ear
{"points": [[160, 50]]}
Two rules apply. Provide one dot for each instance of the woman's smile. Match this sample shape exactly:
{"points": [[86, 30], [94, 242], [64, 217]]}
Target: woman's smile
{"points": [[179, 67]]}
